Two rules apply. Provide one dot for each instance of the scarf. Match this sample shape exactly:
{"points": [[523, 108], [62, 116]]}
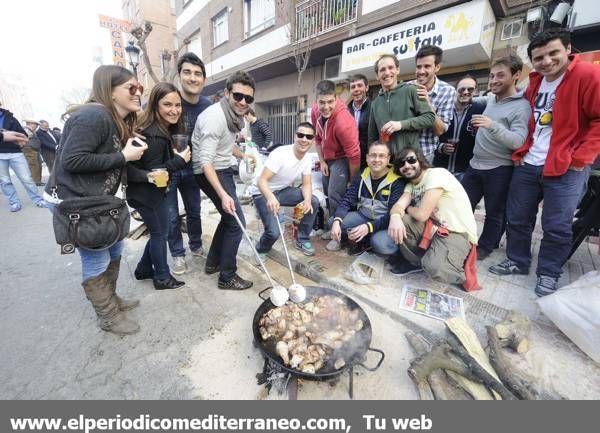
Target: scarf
{"points": [[235, 122]]}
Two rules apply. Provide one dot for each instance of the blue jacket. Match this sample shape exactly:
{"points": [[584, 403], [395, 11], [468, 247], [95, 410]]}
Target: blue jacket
{"points": [[373, 205], [10, 124]]}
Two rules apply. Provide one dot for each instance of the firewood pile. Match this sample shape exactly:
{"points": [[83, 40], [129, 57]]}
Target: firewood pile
{"points": [[458, 367]]}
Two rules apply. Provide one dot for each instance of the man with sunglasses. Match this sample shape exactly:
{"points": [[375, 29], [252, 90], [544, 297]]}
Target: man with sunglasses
{"points": [[276, 187], [213, 143], [456, 144], [363, 214], [192, 74], [336, 142], [432, 199]]}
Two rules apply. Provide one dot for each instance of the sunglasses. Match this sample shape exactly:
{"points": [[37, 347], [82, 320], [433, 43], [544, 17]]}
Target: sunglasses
{"points": [[133, 89], [308, 136], [466, 89], [411, 160], [239, 96]]}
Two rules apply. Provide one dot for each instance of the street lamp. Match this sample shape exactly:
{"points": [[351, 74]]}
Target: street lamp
{"points": [[133, 53]]}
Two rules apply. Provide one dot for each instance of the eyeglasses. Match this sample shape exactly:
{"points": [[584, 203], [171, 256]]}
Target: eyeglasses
{"points": [[133, 89], [308, 136], [411, 160], [466, 89], [239, 96], [378, 155]]}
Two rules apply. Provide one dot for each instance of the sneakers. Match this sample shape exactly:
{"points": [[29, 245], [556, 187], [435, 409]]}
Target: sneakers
{"points": [[179, 265], [15, 207], [482, 254], [139, 275], [326, 236], [403, 267], [306, 248], [234, 283], [507, 267], [198, 253], [263, 258], [545, 285], [209, 269], [41, 203], [357, 248], [333, 245], [168, 284]]}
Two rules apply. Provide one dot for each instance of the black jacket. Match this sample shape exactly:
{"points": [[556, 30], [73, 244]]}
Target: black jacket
{"points": [[46, 139], [10, 124], [89, 159], [159, 154], [458, 162], [363, 129]]}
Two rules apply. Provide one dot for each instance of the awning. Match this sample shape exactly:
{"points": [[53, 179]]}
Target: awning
{"points": [[465, 33]]}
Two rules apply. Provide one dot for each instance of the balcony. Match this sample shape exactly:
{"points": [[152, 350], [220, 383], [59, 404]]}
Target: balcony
{"points": [[314, 18]]}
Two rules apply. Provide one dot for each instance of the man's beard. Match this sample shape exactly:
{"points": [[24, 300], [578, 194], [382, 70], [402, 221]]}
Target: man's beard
{"points": [[415, 175]]}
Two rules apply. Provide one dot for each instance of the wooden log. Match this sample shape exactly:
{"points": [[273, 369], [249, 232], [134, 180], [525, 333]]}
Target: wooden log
{"points": [[138, 232], [514, 331], [420, 347]]}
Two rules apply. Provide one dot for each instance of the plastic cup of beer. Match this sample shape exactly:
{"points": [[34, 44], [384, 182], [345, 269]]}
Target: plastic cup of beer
{"points": [[160, 176], [180, 142]]}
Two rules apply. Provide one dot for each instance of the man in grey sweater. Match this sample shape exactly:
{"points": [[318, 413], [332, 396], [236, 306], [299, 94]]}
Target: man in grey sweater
{"points": [[501, 129], [213, 143]]}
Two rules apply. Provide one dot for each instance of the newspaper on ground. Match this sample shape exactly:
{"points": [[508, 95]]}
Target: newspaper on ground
{"points": [[431, 303]]}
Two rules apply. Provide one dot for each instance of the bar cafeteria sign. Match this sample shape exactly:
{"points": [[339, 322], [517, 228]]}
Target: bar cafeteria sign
{"points": [[450, 28]]}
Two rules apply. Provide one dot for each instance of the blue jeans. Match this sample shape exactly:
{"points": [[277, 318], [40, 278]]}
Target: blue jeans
{"points": [[184, 181], [381, 242], [335, 185], [561, 195], [154, 258], [493, 186], [228, 235], [287, 197], [18, 163]]}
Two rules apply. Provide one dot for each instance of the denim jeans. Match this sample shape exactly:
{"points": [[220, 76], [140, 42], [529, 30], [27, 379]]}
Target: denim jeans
{"points": [[154, 258], [19, 165], [288, 197], [335, 185], [184, 181], [380, 241], [561, 195], [493, 186], [228, 235]]}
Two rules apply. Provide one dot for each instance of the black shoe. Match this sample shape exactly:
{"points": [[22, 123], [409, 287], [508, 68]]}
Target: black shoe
{"points": [[482, 254], [508, 267], [235, 283], [400, 266], [143, 275], [40, 184], [358, 248], [169, 283], [209, 270]]}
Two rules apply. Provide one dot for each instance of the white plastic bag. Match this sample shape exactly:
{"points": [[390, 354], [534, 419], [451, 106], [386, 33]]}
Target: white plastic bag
{"points": [[366, 269], [575, 310], [246, 176]]}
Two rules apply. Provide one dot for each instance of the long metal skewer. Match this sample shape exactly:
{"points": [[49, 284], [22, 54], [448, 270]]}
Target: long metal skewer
{"points": [[287, 255], [254, 249]]}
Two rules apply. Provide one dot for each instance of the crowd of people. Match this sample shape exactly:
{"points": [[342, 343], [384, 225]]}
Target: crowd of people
{"points": [[402, 173]]}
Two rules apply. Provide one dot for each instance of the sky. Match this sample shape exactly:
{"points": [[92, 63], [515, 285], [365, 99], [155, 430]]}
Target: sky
{"points": [[48, 46]]}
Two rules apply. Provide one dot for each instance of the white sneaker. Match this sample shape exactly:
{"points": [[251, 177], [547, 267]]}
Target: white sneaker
{"points": [[263, 258], [326, 235], [333, 245], [198, 253], [179, 265]]}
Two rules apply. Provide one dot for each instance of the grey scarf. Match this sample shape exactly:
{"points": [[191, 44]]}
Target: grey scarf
{"points": [[235, 122]]}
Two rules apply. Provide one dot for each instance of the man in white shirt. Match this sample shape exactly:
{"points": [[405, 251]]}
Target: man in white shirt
{"points": [[275, 187]]}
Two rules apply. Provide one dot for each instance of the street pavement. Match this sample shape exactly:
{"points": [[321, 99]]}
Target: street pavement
{"points": [[196, 342]]}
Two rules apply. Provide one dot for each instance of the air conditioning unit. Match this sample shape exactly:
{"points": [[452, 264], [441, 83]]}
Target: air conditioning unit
{"points": [[332, 69]]}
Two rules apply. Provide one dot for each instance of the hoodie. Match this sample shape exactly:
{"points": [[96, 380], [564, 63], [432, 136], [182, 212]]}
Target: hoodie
{"points": [[338, 136]]}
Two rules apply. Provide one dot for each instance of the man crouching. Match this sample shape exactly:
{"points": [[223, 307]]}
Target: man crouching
{"points": [[432, 223]]}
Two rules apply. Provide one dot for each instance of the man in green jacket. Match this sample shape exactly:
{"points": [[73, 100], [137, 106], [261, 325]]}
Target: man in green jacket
{"points": [[397, 114]]}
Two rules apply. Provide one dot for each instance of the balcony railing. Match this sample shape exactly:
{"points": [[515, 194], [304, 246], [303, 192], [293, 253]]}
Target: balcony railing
{"points": [[314, 18]]}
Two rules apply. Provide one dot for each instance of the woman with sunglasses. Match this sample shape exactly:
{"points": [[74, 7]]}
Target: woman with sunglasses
{"points": [[147, 181], [97, 142]]}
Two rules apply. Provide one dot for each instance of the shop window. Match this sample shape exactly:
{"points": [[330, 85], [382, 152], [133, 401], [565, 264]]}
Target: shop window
{"points": [[258, 15], [220, 28], [511, 30]]}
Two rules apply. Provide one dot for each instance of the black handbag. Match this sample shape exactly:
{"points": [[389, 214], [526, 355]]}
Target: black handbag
{"points": [[92, 223]]}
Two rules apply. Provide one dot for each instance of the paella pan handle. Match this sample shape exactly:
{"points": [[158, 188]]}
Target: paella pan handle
{"points": [[378, 364], [261, 293]]}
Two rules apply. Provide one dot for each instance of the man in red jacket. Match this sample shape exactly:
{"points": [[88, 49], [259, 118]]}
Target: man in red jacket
{"points": [[337, 144], [554, 162]]}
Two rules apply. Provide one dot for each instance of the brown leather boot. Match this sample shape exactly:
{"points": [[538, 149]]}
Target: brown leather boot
{"points": [[112, 273], [110, 318]]}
